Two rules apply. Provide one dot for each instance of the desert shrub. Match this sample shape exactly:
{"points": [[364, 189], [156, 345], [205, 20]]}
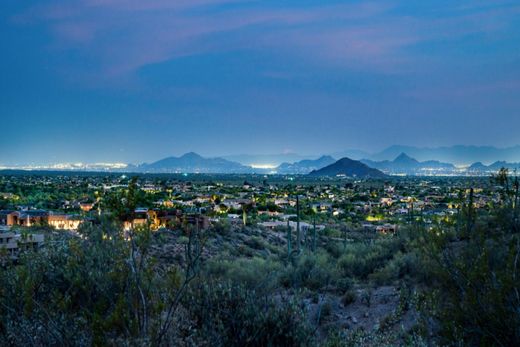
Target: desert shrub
{"points": [[280, 229], [255, 243], [245, 251], [324, 311], [366, 297], [331, 232], [254, 273], [183, 240], [221, 227], [335, 338], [348, 298], [225, 314], [401, 266], [334, 248], [310, 270], [361, 259], [360, 337], [343, 283]]}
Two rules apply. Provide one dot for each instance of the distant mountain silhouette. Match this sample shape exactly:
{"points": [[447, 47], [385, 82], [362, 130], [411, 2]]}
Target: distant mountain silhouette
{"points": [[305, 166], [459, 155], [349, 167], [405, 160], [404, 164], [267, 159], [194, 163], [355, 154], [479, 168], [395, 160]]}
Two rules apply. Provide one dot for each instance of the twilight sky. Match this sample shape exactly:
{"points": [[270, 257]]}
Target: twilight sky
{"points": [[132, 81]]}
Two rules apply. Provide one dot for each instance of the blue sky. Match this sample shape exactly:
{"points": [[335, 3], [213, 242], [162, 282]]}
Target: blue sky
{"points": [[123, 80]]}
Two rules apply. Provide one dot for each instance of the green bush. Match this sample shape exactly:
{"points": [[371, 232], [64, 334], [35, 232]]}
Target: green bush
{"points": [[324, 311], [401, 266], [310, 270], [362, 259], [253, 273], [255, 243], [232, 315], [348, 298]]}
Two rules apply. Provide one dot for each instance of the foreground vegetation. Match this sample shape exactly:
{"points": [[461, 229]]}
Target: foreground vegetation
{"points": [[450, 283]]}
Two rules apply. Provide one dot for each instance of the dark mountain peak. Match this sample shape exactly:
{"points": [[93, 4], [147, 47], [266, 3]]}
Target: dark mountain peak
{"points": [[477, 166], [404, 158], [348, 167], [346, 161], [191, 156]]}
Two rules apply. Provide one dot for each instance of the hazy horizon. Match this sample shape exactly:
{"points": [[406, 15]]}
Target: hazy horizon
{"points": [[292, 157]]}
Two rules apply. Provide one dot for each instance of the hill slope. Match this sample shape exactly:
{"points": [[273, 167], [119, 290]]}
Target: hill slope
{"points": [[349, 167]]}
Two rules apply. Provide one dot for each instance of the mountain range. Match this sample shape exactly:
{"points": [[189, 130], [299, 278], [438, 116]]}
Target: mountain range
{"points": [[404, 164], [457, 155], [194, 163], [395, 160], [479, 168]]}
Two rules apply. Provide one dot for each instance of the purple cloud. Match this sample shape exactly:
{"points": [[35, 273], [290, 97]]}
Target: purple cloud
{"points": [[121, 36]]}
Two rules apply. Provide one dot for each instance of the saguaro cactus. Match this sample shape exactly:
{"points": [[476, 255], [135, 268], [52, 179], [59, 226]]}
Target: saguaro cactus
{"points": [[314, 235], [289, 250], [345, 230], [298, 234], [244, 216]]}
